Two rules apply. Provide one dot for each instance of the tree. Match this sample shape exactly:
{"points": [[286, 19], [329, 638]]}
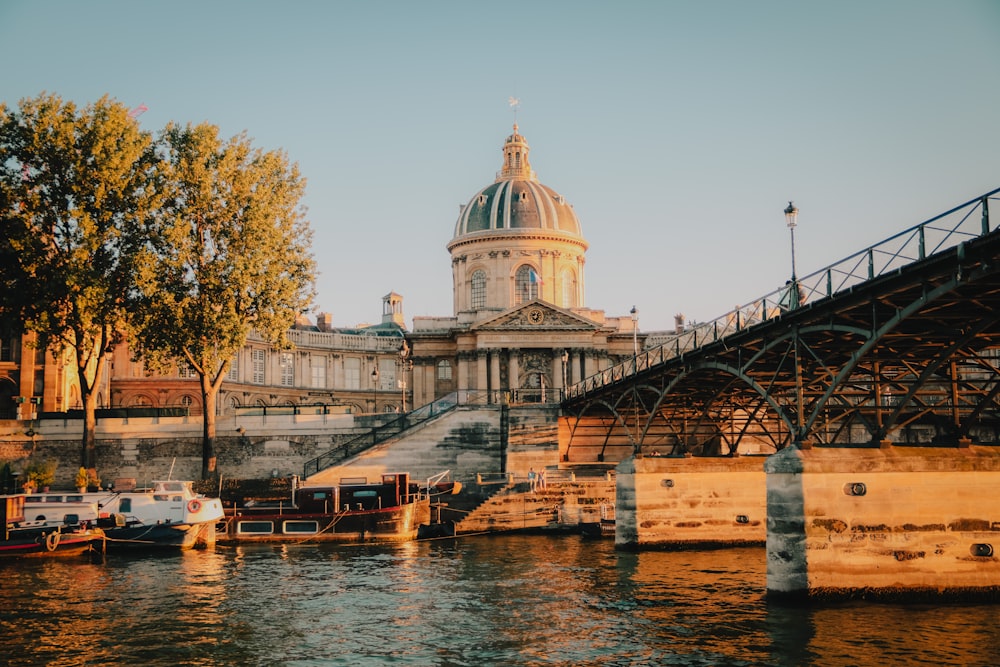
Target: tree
{"points": [[77, 190], [231, 255]]}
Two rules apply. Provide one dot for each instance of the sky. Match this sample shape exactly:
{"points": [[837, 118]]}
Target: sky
{"points": [[679, 131]]}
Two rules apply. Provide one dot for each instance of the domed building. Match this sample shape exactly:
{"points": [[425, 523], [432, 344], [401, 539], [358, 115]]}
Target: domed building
{"points": [[515, 241], [520, 329]]}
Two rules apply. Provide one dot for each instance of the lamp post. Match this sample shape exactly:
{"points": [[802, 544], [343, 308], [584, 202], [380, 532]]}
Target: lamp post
{"points": [[404, 364], [375, 387], [635, 370], [635, 331], [792, 217], [565, 363]]}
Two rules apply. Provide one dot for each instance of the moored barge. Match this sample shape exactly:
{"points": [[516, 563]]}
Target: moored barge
{"points": [[390, 510], [32, 539]]}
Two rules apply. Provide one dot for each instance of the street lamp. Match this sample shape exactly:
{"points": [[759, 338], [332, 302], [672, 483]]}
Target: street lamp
{"points": [[404, 364], [791, 217], [565, 363], [635, 370], [635, 331], [375, 387]]}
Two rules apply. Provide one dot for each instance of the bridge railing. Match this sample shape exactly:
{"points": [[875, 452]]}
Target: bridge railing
{"points": [[942, 232]]}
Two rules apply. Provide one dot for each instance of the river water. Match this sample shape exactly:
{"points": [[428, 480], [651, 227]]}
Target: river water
{"points": [[473, 601]]}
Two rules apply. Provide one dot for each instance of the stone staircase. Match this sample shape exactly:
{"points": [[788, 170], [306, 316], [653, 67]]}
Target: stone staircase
{"points": [[514, 508], [565, 504]]}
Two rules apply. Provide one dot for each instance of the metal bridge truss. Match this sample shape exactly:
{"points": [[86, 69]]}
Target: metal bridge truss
{"points": [[900, 343]]}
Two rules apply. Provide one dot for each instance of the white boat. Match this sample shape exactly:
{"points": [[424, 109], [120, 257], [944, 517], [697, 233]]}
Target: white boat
{"points": [[169, 514]]}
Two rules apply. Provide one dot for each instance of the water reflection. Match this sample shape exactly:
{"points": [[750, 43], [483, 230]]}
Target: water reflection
{"points": [[511, 600]]}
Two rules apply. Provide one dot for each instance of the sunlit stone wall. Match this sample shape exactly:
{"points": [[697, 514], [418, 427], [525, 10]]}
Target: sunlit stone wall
{"points": [[690, 501], [883, 522]]}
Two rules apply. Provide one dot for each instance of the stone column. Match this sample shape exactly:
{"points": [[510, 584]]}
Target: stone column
{"points": [[574, 366], [512, 371], [481, 386], [587, 361], [462, 381], [557, 370], [495, 387]]}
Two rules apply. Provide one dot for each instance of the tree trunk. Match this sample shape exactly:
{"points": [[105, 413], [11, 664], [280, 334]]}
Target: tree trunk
{"points": [[88, 394], [88, 454], [209, 396]]}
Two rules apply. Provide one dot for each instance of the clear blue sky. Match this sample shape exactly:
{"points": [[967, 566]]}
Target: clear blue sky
{"points": [[678, 130]]}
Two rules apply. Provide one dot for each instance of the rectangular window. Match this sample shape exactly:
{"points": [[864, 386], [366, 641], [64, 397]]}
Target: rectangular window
{"points": [[254, 528], [352, 373], [187, 371], [7, 349], [234, 370], [257, 357], [300, 527], [318, 368], [386, 374], [287, 369]]}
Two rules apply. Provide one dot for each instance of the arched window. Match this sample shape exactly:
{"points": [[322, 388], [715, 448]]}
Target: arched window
{"points": [[478, 290], [526, 285], [567, 289]]}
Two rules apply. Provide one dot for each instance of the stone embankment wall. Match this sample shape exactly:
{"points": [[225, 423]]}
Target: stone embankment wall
{"points": [[149, 448], [664, 502], [896, 521], [466, 441]]}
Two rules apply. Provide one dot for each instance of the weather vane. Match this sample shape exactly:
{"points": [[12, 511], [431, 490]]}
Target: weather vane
{"points": [[515, 104]]}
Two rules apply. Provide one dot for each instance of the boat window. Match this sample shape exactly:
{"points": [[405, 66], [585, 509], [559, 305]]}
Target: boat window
{"points": [[300, 527], [320, 495], [172, 486], [254, 527], [161, 497], [53, 499], [74, 499], [365, 494], [125, 505]]}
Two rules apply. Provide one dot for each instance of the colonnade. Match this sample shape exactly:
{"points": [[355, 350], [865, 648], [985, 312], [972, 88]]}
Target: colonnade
{"points": [[494, 372]]}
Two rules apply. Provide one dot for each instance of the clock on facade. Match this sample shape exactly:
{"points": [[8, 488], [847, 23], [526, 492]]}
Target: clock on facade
{"points": [[536, 315]]}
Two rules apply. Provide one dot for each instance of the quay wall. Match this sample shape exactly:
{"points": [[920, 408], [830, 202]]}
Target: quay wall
{"points": [[887, 522], [149, 448], [467, 441], [671, 502]]}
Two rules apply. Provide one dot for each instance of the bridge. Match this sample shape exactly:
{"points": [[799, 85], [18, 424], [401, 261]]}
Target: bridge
{"points": [[896, 343]]}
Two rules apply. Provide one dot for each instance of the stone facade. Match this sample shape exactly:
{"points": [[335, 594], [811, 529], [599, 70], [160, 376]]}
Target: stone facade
{"points": [[669, 502], [889, 522]]}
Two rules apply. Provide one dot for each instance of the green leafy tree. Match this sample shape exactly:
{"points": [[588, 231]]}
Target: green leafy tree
{"points": [[77, 190], [232, 255]]}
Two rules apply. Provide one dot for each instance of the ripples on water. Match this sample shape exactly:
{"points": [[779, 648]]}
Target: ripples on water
{"points": [[477, 601]]}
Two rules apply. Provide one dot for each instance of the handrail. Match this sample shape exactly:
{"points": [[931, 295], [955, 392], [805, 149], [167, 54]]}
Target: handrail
{"points": [[381, 433], [940, 233]]}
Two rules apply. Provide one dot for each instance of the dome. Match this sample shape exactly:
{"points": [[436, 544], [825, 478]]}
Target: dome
{"points": [[516, 203]]}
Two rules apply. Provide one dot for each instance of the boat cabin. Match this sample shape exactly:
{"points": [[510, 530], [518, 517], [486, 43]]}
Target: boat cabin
{"points": [[356, 494]]}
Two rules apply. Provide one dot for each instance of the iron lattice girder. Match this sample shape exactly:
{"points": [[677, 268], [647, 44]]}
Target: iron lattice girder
{"points": [[916, 346]]}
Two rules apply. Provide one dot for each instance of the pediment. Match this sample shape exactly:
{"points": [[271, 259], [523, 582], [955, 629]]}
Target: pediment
{"points": [[537, 316]]}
